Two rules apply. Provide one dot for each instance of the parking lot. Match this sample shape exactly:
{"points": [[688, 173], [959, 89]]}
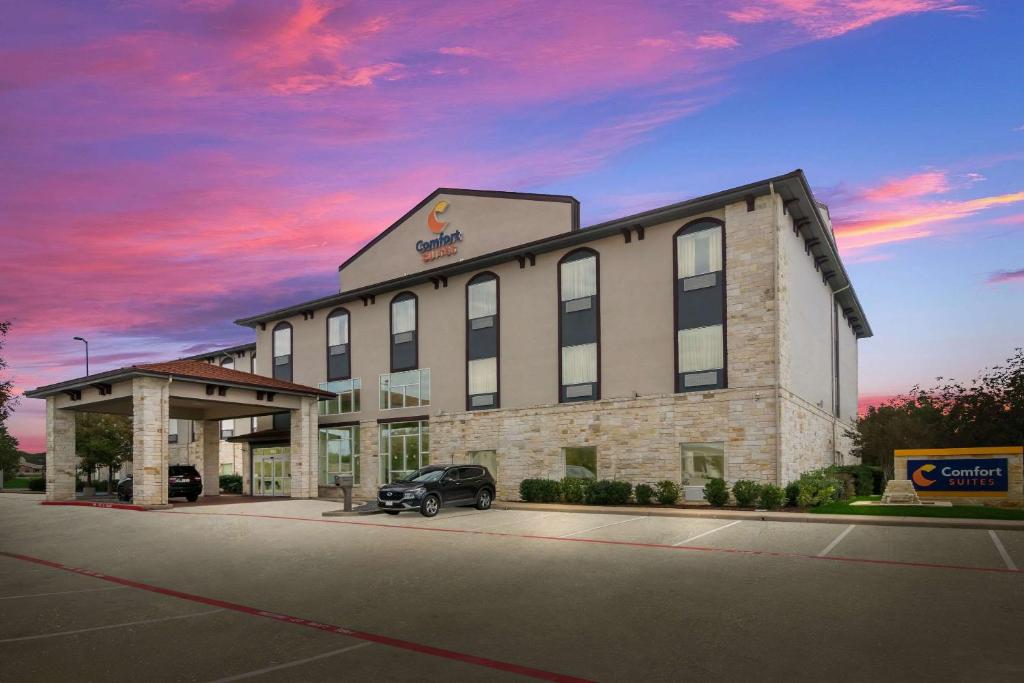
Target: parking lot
{"points": [[274, 591]]}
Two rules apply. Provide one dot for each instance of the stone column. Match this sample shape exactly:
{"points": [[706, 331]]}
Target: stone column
{"points": [[304, 449], [209, 456], [150, 453], [61, 462]]}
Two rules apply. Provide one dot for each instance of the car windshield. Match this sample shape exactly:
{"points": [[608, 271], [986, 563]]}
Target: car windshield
{"points": [[424, 475]]}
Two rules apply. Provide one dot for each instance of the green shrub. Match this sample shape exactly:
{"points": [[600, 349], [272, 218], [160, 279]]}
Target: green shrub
{"points": [[574, 490], [608, 492], [772, 497], [37, 484], [818, 487], [792, 489], [540, 490], [643, 493], [746, 492], [231, 483], [667, 492], [716, 492]]}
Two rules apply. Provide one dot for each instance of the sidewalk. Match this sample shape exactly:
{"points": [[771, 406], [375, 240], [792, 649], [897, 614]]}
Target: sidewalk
{"points": [[767, 516]]}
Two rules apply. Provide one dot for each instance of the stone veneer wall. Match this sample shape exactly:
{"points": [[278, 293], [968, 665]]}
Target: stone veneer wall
{"points": [[637, 440], [808, 440]]}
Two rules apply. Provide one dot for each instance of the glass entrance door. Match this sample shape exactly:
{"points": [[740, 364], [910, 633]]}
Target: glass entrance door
{"points": [[271, 471]]}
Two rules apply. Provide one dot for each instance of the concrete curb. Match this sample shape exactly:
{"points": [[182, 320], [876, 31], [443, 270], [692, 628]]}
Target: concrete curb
{"points": [[112, 506], [802, 517]]}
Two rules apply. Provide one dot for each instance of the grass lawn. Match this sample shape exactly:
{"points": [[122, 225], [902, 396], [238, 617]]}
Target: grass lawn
{"points": [[17, 483], [962, 511]]}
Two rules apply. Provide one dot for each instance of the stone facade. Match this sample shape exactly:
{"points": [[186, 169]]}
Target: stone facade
{"points": [[61, 461], [149, 434], [209, 465], [304, 438]]}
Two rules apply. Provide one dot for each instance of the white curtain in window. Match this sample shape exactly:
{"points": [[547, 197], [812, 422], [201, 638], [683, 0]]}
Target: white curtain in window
{"points": [[483, 299], [337, 330], [700, 349], [579, 364], [283, 342], [699, 252], [483, 376], [403, 316], [579, 278]]}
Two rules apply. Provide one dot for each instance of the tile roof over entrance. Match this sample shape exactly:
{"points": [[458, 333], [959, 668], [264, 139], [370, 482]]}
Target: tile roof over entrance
{"points": [[188, 370]]}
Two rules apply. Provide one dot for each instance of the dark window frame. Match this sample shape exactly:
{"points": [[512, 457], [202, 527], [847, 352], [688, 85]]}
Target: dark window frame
{"points": [[576, 255], [486, 276], [403, 296], [291, 351], [697, 225], [337, 312]]}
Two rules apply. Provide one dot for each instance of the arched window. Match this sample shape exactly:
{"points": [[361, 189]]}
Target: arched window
{"points": [[579, 326], [282, 351], [482, 331], [699, 266], [227, 362], [404, 355], [339, 357]]}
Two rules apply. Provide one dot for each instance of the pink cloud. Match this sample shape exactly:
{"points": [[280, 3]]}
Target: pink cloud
{"points": [[1004, 276], [831, 18], [932, 182], [716, 41]]}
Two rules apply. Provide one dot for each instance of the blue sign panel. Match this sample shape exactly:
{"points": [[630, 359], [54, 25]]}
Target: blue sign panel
{"points": [[958, 474]]}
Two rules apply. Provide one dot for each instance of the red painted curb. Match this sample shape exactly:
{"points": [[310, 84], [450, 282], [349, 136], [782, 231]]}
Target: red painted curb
{"points": [[538, 674], [634, 544], [90, 504]]}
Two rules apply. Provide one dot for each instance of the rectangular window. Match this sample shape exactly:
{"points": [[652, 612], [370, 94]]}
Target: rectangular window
{"points": [[487, 459], [579, 278], [700, 349], [699, 252], [405, 389], [339, 454], [227, 428], [703, 461], [227, 469], [403, 316], [404, 448], [172, 431], [253, 424], [580, 462], [347, 397], [483, 376], [579, 364], [483, 299], [337, 330]]}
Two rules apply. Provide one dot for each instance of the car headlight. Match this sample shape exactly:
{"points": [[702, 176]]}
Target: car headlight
{"points": [[414, 493]]}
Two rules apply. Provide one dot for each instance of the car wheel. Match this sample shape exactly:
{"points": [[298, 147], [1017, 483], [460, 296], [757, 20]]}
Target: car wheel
{"points": [[483, 499], [430, 506], [193, 498], [391, 512]]}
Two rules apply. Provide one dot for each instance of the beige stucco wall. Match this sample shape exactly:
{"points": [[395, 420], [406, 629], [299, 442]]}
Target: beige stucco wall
{"points": [[848, 370], [487, 224]]}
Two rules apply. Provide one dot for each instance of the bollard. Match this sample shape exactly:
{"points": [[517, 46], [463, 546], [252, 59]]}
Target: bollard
{"points": [[345, 484]]}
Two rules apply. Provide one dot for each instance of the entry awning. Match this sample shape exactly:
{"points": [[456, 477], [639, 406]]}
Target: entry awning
{"points": [[263, 436]]}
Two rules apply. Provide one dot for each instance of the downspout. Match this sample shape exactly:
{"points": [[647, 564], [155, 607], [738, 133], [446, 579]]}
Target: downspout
{"points": [[778, 339], [836, 399]]}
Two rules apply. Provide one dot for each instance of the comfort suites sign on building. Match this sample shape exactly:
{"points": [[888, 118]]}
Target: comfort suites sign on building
{"points": [[958, 473]]}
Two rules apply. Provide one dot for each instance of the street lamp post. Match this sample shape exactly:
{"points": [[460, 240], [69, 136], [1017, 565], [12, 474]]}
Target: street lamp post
{"points": [[86, 354]]}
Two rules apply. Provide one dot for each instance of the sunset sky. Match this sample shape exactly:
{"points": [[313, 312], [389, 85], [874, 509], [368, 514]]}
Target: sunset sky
{"points": [[167, 167]]}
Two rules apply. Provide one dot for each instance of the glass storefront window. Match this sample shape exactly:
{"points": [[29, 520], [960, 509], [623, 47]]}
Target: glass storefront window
{"points": [[703, 461], [347, 397], [405, 389], [580, 462], [339, 454], [404, 448]]}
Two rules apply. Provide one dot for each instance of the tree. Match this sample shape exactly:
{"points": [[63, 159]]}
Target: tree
{"points": [[7, 398], [10, 456], [102, 441], [989, 411]]}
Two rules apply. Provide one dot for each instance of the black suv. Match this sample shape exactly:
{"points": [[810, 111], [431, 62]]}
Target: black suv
{"points": [[183, 481], [430, 488]]}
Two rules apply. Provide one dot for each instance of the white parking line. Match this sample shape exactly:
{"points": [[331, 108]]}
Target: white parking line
{"points": [[104, 628], [717, 528], [595, 528], [40, 595], [835, 541], [1002, 550], [288, 665]]}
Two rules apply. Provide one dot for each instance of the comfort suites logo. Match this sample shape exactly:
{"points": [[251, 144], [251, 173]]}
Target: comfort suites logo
{"points": [[445, 244], [959, 474]]}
